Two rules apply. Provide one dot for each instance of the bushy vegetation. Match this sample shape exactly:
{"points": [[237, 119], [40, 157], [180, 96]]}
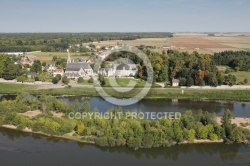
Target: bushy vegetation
{"points": [[238, 60], [122, 130]]}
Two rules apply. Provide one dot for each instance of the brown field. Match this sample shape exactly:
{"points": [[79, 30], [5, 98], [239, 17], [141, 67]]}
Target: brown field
{"points": [[194, 42]]}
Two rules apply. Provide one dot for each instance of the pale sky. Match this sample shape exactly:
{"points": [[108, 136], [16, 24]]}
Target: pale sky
{"points": [[125, 16]]}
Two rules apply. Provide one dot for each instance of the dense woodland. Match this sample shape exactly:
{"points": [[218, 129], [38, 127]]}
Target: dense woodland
{"points": [[238, 60], [190, 69], [114, 131], [51, 42]]}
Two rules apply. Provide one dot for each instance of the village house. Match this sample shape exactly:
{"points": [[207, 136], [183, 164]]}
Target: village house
{"points": [[58, 71], [51, 67], [175, 82], [31, 75]]}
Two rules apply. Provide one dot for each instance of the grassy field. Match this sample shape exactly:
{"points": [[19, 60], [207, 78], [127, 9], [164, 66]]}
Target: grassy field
{"points": [[47, 56], [154, 93], [15, 88], [123, 82], [241, 75]]}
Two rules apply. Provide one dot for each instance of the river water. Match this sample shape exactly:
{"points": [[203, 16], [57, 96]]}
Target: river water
{"points": [[239, 109], [24, 149]]}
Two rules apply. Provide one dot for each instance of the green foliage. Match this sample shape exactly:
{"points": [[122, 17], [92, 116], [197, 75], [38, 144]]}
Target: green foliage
{"points": [[123, 131], [65, 80], [232, 133], [238, 60], [230, 80], [80, 80], [101, 80], [36, 66], [51, 42], [91, 80], [21, 78], [55, 80], [245, 81]]}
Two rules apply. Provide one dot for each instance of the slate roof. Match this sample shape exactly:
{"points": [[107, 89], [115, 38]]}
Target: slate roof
{"points": [[77, 66], [121, 66]]}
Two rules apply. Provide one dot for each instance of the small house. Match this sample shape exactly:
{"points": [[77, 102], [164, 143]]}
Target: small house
{"points": [[31, 75], [58, 71], [175, 82], [166, 47]]}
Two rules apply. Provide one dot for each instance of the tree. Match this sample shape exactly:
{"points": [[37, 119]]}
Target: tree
{"points": [[91, 80], [245, 81], [191, 135], [183, 81], [21, 78], [230, 80], [190, 81], [178, 132], [101, 80], [36, 78], [44, 64], [11, 71], [65, 80], [3, 59], [80, 80], [36, 66], [55, 80]]}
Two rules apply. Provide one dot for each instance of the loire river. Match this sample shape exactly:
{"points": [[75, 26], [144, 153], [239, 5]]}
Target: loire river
{"points": [[239, 109], [23, 149]]}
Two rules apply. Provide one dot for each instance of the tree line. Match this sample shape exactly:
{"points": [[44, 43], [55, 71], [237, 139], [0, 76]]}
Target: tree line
{"points": [[237, 60], [51, 42]]}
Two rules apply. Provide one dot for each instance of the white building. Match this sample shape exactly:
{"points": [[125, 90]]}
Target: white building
{"points": [[120, 70], [58, 71], [51, 67], [175, 82]]}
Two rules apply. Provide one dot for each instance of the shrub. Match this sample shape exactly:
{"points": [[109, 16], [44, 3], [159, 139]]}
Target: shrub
{"points": [[55, 80], [80, 80], [65, 80], [91, 80], [37, 79]]}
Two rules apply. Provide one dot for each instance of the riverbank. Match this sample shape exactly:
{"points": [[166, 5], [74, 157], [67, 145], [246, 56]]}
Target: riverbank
{"points": [[69, 136], [154, 93]]}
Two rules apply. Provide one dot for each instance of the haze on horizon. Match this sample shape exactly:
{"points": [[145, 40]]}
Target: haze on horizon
{"points": [[125, 16]]}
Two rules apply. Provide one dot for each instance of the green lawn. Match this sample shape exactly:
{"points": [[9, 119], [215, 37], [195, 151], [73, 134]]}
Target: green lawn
{"points": [[15, 88], [241, 75], [168, 93], [45, 77], [123, 82]]}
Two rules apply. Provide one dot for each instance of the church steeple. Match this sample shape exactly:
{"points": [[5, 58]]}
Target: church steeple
{"points": [[69, 59]]}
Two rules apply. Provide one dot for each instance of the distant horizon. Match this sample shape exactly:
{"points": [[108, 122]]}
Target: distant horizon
{"points": [[47, 16], [134, 32]]}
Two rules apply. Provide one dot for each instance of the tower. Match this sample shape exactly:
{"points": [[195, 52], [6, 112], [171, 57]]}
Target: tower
{"points": [[69, 59]]}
